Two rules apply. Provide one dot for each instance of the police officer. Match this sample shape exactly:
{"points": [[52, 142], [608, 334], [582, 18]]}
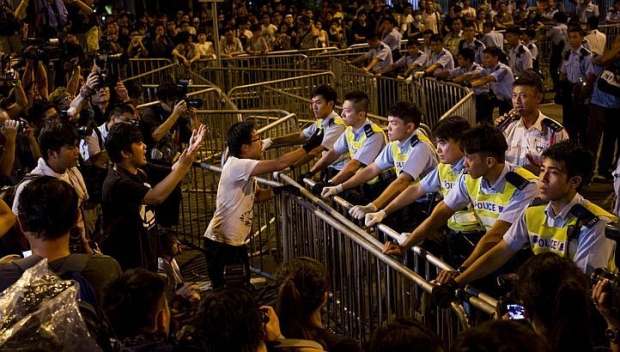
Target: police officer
{"points": [[520, 57], [440, 59], [322, 103], [560, 221], [526, 38], [362, 139], [413, 59], [471, 42], [447, 133], [558, 35], [484, 102], [499, 77], [575, 70], [380, 55], [410, 154], [528, 132], [498, 191]]}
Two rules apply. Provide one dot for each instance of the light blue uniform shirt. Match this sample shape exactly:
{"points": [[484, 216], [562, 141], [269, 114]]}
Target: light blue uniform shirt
{"points": [[459, 197], [367, 153], [331, 132], [578, 66], [504, 79], [421, 158], [432, 183], [443, 58], [474, 68]]}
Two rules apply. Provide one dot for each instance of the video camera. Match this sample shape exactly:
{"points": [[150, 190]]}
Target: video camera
{"points": [[191, 103], [7, 75], [38, 49], [107, 74], [84, 130], [613, 233]]}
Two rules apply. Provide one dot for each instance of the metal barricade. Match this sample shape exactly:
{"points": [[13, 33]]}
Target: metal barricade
{"points": [[146, 71], [439, 97], [231, 77], [352, 78], [465, 108], [268, 95], [369, 288]]}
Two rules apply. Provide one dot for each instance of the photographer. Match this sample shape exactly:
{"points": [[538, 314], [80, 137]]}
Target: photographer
{"points": [[9, 26], [19, 149], [136, 48], [602, 295], [185, 52]]}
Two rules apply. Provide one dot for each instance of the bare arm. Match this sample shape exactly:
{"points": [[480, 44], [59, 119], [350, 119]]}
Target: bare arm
{"points": [[487, 264], [9, 130], [397, 186], [7, 218], [162, 130], [488, 241], [349, 169], [410, 195], [289, 139], [72, 85], [313, 154], [325, 161], [281, 163]]}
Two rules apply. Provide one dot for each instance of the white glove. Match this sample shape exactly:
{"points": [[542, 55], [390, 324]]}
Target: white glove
{"points": [[375, 218], [359, 211], [418, 74], [267, 142], [402, 238], [331, 191], [408, 79]]}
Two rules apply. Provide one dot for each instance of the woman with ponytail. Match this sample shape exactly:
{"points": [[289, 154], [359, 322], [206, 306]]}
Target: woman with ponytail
{"points": [[303, 292], [554, 292]]}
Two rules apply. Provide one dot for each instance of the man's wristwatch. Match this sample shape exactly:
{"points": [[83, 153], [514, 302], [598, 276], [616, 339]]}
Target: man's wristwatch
{"points": [[612, 335]]}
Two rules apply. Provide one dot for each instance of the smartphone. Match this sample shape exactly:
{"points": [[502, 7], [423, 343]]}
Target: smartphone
{"points": [[26, 254], [515, 312]]}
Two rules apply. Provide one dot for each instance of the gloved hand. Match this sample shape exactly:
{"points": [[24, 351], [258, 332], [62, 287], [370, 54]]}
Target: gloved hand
{"points": [[267, 142], [318, 188], [444, 294], [419, 74], [359, 211], [288, 189], [308, 174], [375, 218], [314, 141], [331, 191], [428, 74], [466, 84]]}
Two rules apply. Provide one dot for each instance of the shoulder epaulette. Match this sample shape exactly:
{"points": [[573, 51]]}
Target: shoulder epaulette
{"points": [[538, 202], [517, 180], [521, 49], [368, 130], [477, 43], [588, 218], [414, 140], [584, 52], [552, 124], [530, 46]]}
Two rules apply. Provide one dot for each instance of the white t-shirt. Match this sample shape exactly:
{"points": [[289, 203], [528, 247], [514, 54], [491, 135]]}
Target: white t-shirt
{"points": [[232, 221]]}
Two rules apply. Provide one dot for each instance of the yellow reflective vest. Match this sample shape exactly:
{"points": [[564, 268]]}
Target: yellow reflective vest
{"points": [[462, 220], [355, 145]]}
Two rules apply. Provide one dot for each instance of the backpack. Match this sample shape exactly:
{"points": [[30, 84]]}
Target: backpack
{"points": [[72, 269]]}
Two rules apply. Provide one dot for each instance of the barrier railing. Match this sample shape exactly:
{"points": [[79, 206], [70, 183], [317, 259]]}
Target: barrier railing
{"points": [[266, 95], [439, 97], [230, 77], [465, 108], [369, 288], [350, 78]]}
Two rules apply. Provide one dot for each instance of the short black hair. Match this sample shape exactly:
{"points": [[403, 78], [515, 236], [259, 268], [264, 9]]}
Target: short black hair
{"points": [[406, 111], [493, 51], [575, 29], [468, 54], [529, 32], [578, 160], [55, 136], [239, 134], [327, 92], [120, 138], [229, 319], [560, 17], [359, 99], [404, 335], [485, 139], [168, 91], [529, 79], [130, 301], [515, 30], [451, 127], [48, 208], [593, 22], [122, 108], [436, 38], [372, 36], [428, 32], [493, 336]]}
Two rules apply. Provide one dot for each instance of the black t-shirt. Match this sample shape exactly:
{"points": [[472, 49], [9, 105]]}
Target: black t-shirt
{"points": [[152, 118], [132, 238], [80, 23], [337, 343], [100, 270]]}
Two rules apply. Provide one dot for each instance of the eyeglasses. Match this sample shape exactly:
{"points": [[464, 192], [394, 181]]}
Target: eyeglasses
{"points": [[254, 140]]}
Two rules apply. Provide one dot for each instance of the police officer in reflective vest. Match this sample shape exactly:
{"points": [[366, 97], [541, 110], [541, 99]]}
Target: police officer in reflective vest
{"points": [[363, 140], [410, 155], [497, 191], [560, 221]]}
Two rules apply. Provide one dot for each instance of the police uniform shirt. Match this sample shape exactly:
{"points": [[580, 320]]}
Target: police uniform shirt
{"points": [[578, 65], [443, 59], [593, 249], [433, 182], [477, 46], [392, 39], [459, 197], [407, 60], [520, 59], [525, 146], [502, 87], [368, 151], [558, 34], [459, 71], [384, 54], [421, 157], [493, 39], [533, 50], [333, 127], [600, 98]]}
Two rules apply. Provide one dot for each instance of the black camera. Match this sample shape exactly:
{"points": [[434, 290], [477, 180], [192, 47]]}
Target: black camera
{"points": [[84, 130], [613, 288], [107, 76], [191, 103], [38, 49]]}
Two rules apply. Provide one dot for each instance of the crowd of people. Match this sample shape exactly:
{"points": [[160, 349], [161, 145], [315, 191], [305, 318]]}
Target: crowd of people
{"points": [[92, 183]]}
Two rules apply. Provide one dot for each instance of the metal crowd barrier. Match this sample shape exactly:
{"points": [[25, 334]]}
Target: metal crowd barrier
{"points": [[268, 95], [351, 78], [369, 288], [145, 71], [230, 77], [438, 97]]}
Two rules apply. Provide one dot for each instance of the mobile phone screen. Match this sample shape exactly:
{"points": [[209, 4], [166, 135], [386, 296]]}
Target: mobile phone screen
{"points": [[27, 254], [515, 312]]}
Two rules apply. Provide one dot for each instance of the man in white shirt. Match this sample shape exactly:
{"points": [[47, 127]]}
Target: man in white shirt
{"points": [[597, 39]]}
